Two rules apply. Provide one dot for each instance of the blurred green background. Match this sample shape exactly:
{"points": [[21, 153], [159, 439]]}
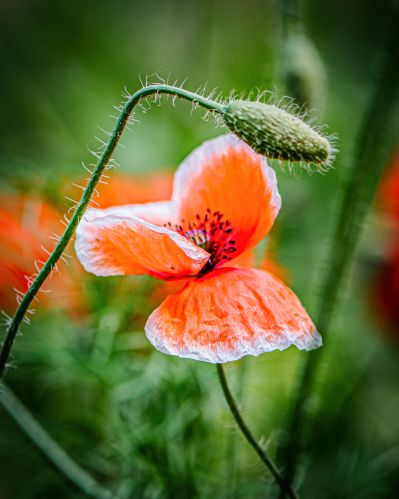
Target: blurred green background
{"points": [[145, 424]]}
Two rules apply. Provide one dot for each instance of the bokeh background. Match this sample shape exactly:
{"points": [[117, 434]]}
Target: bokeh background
{"points": [[145, 424]]}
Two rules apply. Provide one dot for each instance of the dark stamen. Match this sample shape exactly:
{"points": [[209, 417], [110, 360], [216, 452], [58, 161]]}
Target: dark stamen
{"points": [[211, 233]]}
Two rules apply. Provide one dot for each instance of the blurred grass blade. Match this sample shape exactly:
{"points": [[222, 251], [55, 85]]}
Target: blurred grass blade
{"points": [[49, 447]]}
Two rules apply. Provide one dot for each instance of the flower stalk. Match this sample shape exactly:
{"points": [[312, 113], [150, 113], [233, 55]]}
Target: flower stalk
{"points": [[283, 484]]}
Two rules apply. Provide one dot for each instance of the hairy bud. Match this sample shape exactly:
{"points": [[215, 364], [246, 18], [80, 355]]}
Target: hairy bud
{"points": [[276, 133], [304, 73]]}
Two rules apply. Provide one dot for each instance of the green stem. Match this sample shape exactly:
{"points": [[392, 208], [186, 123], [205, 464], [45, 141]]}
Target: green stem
{"points": [[103, 160], [373, 147], [249, 437], [49, 448], [292, 16], [232, 476]]}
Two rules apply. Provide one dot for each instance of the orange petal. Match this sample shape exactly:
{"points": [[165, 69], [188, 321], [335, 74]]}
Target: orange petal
{"points": [[112, 244], [225, 175], [230, 313], [246, 259]]}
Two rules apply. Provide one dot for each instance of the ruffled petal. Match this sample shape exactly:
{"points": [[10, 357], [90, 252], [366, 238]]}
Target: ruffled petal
{"points": [[230, 313], [225, 176], [111, 242]]}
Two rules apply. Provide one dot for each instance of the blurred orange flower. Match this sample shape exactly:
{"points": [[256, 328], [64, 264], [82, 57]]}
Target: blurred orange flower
{"points": [[389, 189], [26, 225], [225, 200], [384, 292], [137, 189]]}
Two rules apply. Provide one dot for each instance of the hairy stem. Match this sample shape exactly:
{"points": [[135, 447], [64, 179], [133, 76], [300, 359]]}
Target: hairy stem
{"points": [[49, 448], [103, 160], [249, 437], [373, 146]]}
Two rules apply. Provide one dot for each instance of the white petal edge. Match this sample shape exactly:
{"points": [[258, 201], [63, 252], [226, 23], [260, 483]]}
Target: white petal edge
{"points": [[145, 211], [303, 341]]}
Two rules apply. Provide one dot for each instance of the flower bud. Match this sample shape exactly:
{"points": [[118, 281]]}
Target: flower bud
{"points": [[276, 133], [303, 73]]}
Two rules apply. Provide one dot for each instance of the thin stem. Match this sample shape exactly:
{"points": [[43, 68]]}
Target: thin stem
{"points": [[249, 437], [292, 16], [373, 146], [231, 444], [103, 160], [49, 448]]}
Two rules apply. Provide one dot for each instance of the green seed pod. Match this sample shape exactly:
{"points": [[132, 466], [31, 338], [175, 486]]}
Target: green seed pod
{"points": [[276, 133]]}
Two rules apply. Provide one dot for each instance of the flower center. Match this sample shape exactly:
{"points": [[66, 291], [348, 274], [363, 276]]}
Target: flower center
{"points": [[211, 233]]}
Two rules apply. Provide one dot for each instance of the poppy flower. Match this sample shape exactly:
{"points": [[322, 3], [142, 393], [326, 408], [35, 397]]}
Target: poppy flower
{"points": [[225, 200], [26, 223]]}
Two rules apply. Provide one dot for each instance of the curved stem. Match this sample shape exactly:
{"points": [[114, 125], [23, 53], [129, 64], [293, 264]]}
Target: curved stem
{"points": [[376, 136], [49, 447], [103, 160], [249, 437]]}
